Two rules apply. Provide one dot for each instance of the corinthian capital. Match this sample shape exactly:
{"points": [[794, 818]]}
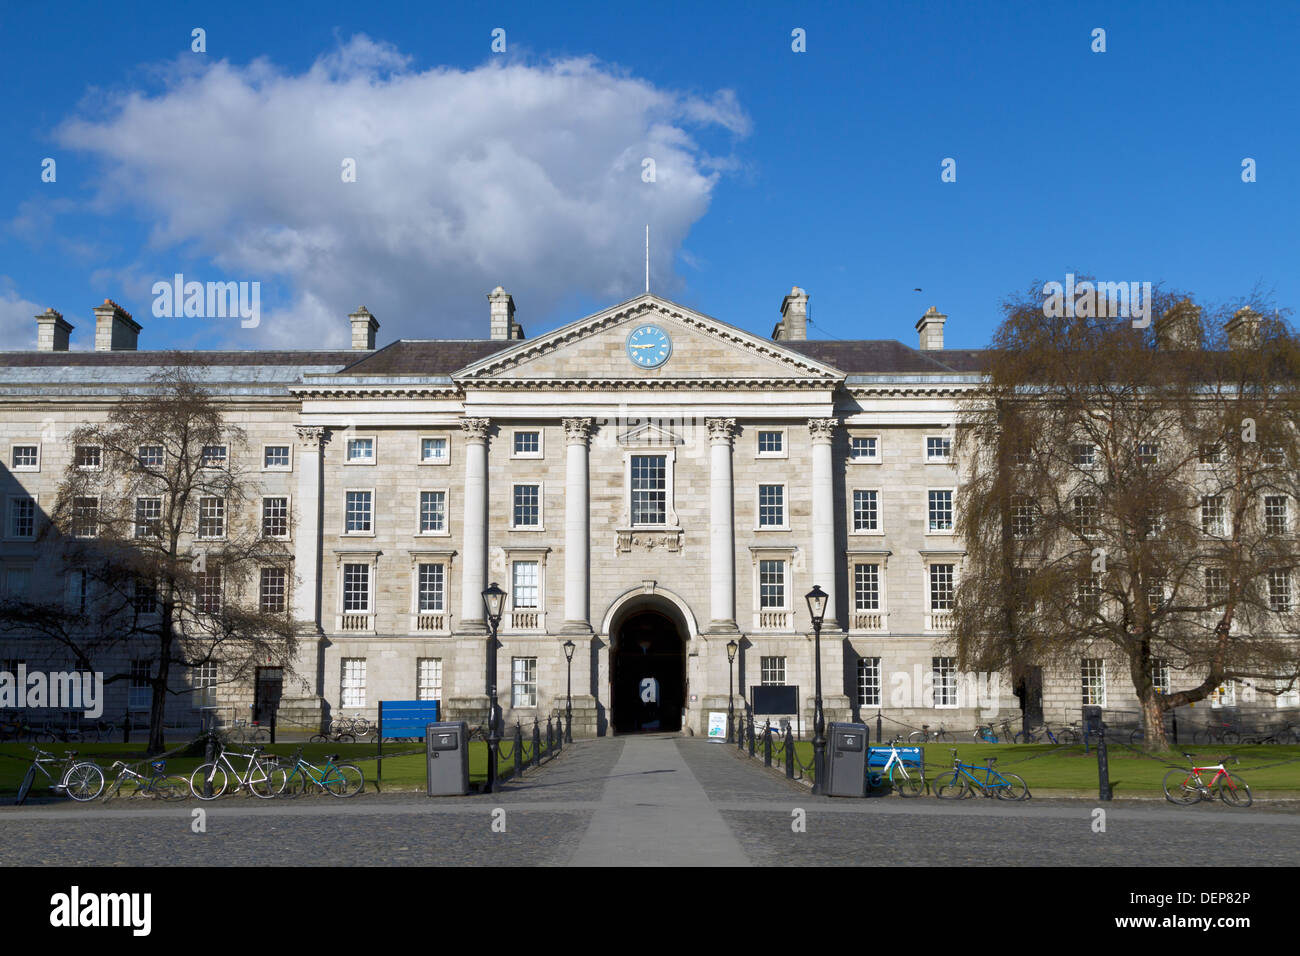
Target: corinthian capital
{"points": [[720, 430], [577, 431], [475, 429], [310, 437], [822, 430]]}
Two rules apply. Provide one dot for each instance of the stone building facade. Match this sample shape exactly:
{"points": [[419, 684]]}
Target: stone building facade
{"points": [[648, 483]]}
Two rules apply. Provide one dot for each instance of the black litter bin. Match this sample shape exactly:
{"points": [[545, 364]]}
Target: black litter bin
{"points": [[447, 757], [846, 761]]}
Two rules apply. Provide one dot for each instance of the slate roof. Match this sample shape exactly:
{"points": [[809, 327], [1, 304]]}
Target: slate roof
{"points": [[173, 357], [883, 356], [425, 356]]}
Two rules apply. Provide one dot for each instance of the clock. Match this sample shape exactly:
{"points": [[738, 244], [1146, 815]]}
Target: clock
{"points": [[649, 346]]}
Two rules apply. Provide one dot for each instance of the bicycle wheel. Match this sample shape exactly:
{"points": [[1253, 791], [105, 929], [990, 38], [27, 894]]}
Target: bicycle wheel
{"points": [[907, 784], [172, 788], [1231, 737], [1137, 737], [345, 739], [345, 780], [318, 739], [1201, 736], [951, 785], [1015, 788], [44, 737], [85, 781], [266, 780], [916, 737], [25, 787], [1025, 738], [1180, 788], [203, 774], [1234, 791], [360, 726], [1068, 737]]}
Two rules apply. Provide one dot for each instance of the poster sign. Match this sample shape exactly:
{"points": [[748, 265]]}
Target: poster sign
{"points": [[717, 726]]}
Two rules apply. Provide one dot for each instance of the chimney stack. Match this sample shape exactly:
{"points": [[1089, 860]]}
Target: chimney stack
{"points": [[1179, 329], [930, 327], [115, 330], [52, 332], [793, 326], [1243, 329], [502, 312], [364, 327]]}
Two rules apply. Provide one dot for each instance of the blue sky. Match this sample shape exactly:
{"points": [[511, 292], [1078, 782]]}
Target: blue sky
{"points": [[774, 168]]}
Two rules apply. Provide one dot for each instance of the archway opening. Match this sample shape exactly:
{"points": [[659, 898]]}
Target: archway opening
{"points": [[647, 674]]}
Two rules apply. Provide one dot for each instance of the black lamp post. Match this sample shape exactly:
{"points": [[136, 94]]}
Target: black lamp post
{"points": [[732, 647], [817, 611], [494, 600], [569, 648]]}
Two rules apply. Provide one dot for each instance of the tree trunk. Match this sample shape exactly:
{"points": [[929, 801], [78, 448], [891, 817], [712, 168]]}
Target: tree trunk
{"points": [[1153, 722], [158, 709]]}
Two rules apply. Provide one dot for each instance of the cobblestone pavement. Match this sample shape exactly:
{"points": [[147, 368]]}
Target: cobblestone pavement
{"points": [[646, 801]]}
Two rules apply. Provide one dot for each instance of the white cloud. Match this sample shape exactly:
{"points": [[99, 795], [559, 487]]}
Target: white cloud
{"points": [[524, 175], [17, 318]]}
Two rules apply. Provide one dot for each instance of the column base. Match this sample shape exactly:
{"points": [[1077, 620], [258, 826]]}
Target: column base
{"points": [[577, 628], [722, 628], [472, 628]]}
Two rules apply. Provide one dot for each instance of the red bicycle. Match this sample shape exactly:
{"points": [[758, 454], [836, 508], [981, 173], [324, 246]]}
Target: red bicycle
{"points": [[1187, 787]]}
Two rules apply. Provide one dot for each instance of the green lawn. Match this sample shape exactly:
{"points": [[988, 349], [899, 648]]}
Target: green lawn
{"points": [[400, 773], [1048, 767]]}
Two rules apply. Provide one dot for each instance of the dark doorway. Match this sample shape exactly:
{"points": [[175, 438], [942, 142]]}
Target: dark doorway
{"points": [[269, 686], [648, 675], [1029, 689]]}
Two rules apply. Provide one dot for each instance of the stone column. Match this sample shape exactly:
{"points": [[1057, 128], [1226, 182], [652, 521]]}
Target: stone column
{"points": [[307, 528], [577, 526], [722, 526], [823, 514], [473, 575]]}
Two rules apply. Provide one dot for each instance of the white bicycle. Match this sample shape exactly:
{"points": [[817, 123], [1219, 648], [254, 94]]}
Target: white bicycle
{"points": [[895, 771]]}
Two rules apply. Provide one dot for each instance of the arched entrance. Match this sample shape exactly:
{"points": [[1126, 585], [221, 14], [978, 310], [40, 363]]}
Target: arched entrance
{"points": [[647, 672]]}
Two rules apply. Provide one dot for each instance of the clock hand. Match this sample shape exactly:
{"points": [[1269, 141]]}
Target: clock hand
{"points": [[645, 346]]}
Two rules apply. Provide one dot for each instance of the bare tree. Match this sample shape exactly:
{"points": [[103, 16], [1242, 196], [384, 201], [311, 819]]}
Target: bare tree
{"points": [[158, 523], [1132, 493]]}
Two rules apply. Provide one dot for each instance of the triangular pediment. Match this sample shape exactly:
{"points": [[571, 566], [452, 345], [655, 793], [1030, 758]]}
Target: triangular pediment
{"points": [[650, 434], [597, 350]]}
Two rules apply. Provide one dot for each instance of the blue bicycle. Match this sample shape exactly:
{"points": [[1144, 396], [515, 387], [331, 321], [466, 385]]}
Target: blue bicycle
{"points": [[964, 779]]}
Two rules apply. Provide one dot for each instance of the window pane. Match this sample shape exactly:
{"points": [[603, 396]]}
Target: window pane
{"points": [[771, 506], [770, 443], [275, 517], [864, 447], [428, 679], [528, 507], [941, 587], [866, 587], [433, 511], [276, 456], [649, 489], [354, 682], [358, 512], [771, 584], [940, 510], [869, 681], [523, 691], [432, 591], [772, 671], [528, 443], [524, 589], [433, 449], [356, 588], [944, 672], [866, 512]]}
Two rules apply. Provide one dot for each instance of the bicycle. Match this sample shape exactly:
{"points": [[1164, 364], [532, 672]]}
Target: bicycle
{"points": [[1007, 732], [985, 733], [332, 738], [15, 728], [923, 736], [906, 784], [169, 787], [1286, 734], [1185, 788], [336, 779], [81, 780], [210, 780], [356, 726], [1033, 736], [1218, 732], [247, 733], [961, 782]]}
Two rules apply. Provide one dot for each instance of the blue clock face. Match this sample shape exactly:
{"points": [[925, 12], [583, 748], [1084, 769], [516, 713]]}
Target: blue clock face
{"points": [[649, 346]]}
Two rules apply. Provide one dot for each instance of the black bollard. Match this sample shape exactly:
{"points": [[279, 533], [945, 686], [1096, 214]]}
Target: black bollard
{"points": [[1103, 766], [789, 752], [209, 756], [519, 748], [537, 744], [126, 728], [767, 744]]}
